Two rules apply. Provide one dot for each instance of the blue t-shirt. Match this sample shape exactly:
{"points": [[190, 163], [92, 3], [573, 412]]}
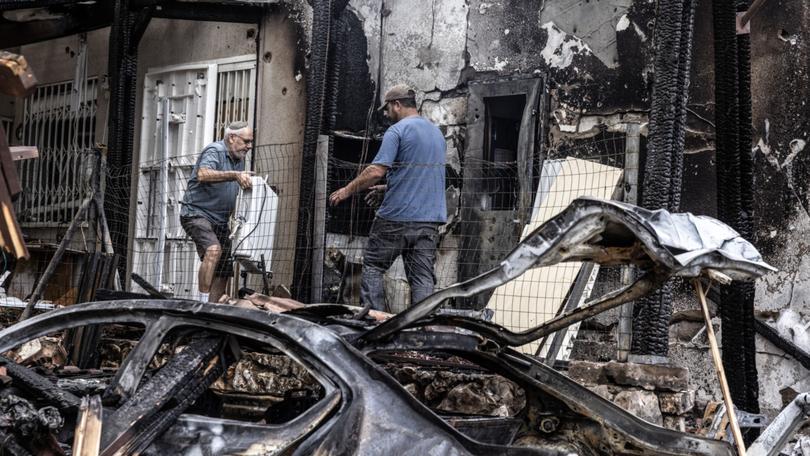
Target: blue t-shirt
{"points": [[214, 201], [413, 150]]}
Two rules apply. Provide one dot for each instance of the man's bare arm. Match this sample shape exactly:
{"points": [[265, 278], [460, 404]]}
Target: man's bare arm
{"points": [[368, 177], [208, 175]]}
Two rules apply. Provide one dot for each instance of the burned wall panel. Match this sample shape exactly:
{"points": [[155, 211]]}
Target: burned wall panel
{"points": [[497, 172], [356, 90], [354, 217]]}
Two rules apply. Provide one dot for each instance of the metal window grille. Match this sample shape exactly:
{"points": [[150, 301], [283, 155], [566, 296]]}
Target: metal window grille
{"points": [[61, 121], [235, 83]]}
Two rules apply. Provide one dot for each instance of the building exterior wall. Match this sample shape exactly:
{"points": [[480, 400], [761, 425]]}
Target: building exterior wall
{"points": [[280, 124], [599, 61], [55, 61]]}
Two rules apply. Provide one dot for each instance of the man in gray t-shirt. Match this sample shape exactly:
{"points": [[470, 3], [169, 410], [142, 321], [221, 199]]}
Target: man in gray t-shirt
{"points": [[208, 202], [412, 158]]}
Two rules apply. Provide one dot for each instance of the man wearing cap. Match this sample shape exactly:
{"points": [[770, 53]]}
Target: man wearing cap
{"points": [[208, 202], [412, 159]]}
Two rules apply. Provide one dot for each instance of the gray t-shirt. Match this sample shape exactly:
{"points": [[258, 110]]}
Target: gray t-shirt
{"points": [[413, 150], [214, 201]]}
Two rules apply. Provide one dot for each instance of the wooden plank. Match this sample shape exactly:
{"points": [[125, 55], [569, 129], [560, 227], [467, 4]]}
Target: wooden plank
{"points": [[718, 367], [87, 439], [23, 152], [11, 238], [535, 297]]}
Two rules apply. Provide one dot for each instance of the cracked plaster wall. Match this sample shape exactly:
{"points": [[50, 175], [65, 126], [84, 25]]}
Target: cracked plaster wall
{"points": [[597, 56]]}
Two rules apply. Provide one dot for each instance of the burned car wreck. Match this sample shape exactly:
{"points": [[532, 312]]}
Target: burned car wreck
{"points": [[174, 391]]}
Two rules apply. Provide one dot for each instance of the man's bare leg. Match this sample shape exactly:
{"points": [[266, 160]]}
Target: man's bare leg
{"points": [[206, 275], [218, 287]]}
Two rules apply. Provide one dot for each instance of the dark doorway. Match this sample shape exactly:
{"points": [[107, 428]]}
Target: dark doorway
{"points": [[502, 130]]}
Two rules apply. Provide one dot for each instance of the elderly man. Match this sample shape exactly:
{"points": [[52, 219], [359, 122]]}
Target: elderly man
{"points": [[412, 157], [209, 200]]}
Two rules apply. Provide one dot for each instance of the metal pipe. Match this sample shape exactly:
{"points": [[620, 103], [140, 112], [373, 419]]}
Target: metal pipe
{"points": [[319, 227], [577, 296], [164, 192], [776, 435]]}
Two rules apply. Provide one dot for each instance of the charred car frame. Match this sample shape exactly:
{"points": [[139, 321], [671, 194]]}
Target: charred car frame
{"points": [[358, 407]]}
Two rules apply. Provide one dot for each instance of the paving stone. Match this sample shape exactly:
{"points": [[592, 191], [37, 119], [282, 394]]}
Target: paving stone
{"points": [[587, 372], [677, 403], [648, 376], [641, 403], [676, 423], [602, 390]]}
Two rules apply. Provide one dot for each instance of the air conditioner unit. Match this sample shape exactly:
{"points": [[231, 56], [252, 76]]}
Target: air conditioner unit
{"points": [[253, 226]]}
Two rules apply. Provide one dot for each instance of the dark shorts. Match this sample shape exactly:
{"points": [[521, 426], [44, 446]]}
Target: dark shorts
{"points": [[205, 234]]}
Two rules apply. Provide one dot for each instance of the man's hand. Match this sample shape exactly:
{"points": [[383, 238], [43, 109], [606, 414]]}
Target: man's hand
{"points": [[375, 195], [338, 196], [243, 178]]}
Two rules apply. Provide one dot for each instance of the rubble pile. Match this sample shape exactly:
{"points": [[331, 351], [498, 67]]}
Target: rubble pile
{"points": [[656, 393], [262, 373], [468, 393], [24, 427]]}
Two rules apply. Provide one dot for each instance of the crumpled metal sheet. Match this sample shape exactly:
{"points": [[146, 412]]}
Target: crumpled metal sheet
{"points": [[606, 233], [688, 236]]}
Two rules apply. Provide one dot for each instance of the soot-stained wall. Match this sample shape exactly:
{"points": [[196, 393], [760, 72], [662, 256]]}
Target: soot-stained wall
{"points": [[598, 60], [780, 89]]}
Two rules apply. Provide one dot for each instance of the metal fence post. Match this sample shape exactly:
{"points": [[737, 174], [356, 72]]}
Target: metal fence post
{"points": [[631, 162], [319, 222]]}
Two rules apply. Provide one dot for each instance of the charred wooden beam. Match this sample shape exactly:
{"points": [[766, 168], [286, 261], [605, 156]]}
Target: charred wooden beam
{"points": [[33, 383], [79, 18], [123, 70], [10, 5], [158, 403], [203, 11], [148, 287]]}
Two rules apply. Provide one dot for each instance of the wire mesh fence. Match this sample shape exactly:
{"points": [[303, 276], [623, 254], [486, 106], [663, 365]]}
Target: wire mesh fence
{"points": [[490, 209]]}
